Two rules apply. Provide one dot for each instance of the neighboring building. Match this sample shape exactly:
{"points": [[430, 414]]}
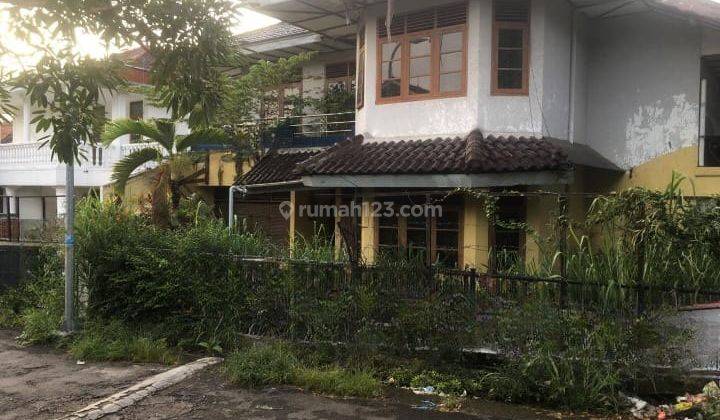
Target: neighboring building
{"points": [[534, 95], [288, 134], [32, 183]]}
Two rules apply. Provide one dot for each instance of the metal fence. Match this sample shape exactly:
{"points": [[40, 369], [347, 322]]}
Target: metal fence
{"points": [[489, 290]]}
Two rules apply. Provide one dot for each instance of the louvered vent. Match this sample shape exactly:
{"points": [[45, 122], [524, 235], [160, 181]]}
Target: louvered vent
{"points": [[511, 10], [455, 14], [437, 17], [420, 21]]}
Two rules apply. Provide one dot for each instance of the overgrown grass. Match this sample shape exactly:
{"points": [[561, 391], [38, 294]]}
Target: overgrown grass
{"points": [[278, 364], [112, 341]]}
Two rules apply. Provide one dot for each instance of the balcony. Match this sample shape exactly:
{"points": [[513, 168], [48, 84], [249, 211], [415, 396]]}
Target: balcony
{"points": [[30, 164], [315, 130]]}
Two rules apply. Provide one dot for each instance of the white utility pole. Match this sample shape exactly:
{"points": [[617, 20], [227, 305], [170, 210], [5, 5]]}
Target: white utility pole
{"points": [[69, 246]]}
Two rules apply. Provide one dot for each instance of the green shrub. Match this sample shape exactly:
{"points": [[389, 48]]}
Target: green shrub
{"points": [[574, 359], [261, 365], [113, 341], [36, 305], [339, 382], [39, 325], [278, 364]]}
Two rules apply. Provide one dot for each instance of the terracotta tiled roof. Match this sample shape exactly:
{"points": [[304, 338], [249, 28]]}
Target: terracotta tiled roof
{"points": [[277, 166], [470, 155], [137, 57]]}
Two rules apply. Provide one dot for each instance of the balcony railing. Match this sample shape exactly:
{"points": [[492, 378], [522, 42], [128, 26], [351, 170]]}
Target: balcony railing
{"points": [[313, 130], [34, 155]]}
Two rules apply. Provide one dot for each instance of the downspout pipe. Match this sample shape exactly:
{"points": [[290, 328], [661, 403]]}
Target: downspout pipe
{"points": [[572, 79], [231, 204]]}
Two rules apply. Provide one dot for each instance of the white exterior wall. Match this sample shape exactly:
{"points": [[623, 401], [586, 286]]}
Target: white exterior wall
{"points": [[543, 112], [643, 76], [24, 164]]}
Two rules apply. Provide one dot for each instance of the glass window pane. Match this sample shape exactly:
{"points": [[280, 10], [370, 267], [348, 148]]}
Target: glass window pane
{"points": [[420, 46], [391, 51], [447, 258], [416, 222], [447, 239], [451, 62], [390, 88], [510, 79], [388, 237], [510, 59], [391, 70], [416, 238], [451, 42], [510, 38], [450, 82], [420, 85], [450, 219], [420, 66]]}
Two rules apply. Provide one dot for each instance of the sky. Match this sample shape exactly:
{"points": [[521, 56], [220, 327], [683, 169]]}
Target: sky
{"points": [[90, 45]]}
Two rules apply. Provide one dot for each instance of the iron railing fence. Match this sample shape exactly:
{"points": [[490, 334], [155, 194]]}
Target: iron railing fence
{"points": [[312, 130]]}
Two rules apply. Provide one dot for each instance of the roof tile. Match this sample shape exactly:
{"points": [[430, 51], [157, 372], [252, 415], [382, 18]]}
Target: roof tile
{"points": [[472, 154]]}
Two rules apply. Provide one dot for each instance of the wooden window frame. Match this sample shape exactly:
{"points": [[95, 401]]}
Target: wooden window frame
{"points": [[404, 40], [497, 26], [280, 91], [431, 231]]}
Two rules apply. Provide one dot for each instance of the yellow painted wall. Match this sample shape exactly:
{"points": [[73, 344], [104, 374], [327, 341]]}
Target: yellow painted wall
{"points": [[475, 235], [222, 169], [368, 230], [299, 226], [656, 174]]}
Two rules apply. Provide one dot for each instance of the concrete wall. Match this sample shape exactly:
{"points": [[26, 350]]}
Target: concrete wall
{"points": [[643, 86]]}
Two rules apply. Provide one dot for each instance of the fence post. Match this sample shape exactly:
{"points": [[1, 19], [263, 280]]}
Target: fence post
{"points": [[562, 245], [640, 281]]}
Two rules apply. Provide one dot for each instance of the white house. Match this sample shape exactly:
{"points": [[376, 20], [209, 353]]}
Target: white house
{"points": [[586, 96], [32, 183]]}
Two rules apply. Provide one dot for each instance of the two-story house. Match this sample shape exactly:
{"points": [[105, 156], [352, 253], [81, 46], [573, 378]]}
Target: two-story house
{"points": [[581, 96], [32, 183]]}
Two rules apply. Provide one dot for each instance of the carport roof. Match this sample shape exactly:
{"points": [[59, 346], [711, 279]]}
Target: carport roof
{"points": [[337, 19]]}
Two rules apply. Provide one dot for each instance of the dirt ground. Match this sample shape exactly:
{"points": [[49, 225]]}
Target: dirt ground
{"points": [[43, 383], [206, 396]]}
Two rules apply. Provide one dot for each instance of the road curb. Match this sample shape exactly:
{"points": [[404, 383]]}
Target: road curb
{"points": [[137, 392]]}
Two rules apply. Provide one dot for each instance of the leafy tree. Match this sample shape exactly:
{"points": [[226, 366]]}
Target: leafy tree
{"points": [[188, 39], [67, 94], [242, 97], [170, 151]]}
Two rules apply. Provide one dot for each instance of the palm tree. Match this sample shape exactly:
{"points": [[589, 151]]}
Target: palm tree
{"points": [[169, 150]]}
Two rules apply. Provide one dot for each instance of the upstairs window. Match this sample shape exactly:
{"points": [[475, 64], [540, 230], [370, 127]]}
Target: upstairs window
{"points": [[511, 47], [424, 56]]}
